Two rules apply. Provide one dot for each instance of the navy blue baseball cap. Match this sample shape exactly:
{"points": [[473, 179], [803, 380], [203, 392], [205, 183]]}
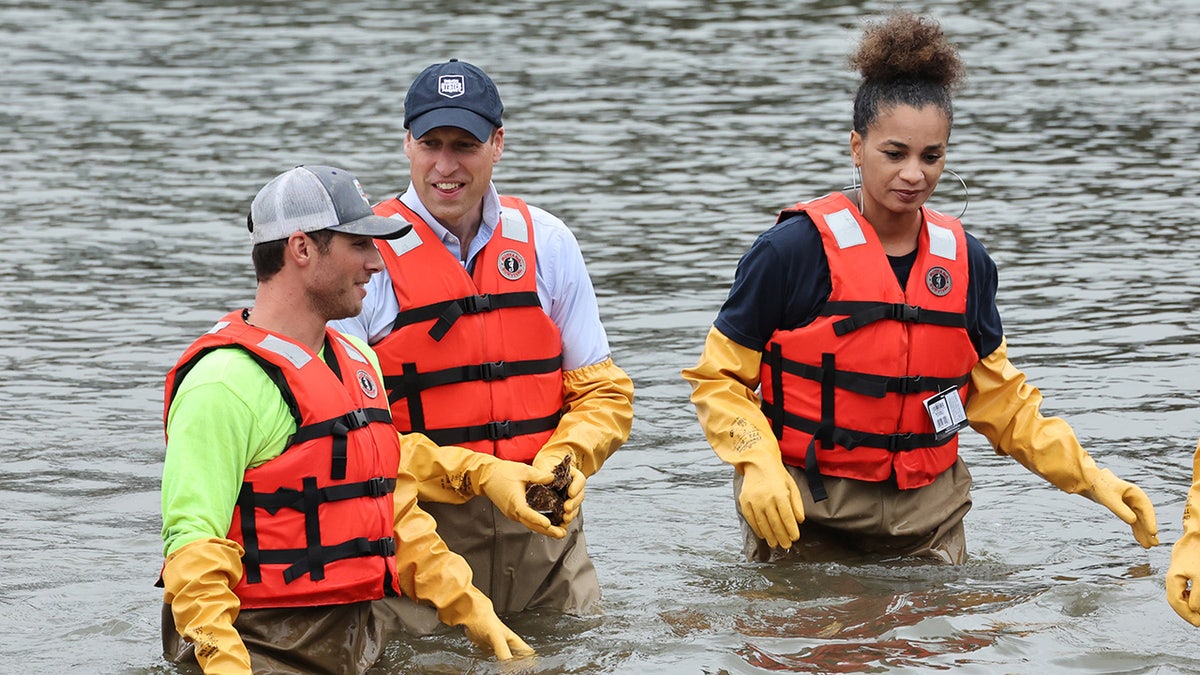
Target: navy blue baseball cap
{"points": [[453, 94]]}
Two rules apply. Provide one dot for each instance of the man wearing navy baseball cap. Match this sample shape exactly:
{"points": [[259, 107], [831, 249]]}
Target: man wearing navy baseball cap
{"points": [[489, 335], [285, 511], [453, 94]]}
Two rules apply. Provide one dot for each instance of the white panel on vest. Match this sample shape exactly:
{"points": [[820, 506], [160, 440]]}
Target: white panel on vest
{"points": [[513, 225], [287, 350], [218, 327], [941, 242], [352, 351], [408, 242], [845, 229]]}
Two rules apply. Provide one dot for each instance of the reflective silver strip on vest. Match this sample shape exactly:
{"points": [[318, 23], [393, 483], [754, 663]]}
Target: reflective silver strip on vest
{"points": [[352, 351], [845, 229], [513, 225], [406, 243], [941, 242], [218, 327], [287, 350]]}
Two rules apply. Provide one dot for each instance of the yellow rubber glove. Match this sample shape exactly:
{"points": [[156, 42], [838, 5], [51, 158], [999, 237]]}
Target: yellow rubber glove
{"points": [[597, 417], [723, 386], [198, 582], [1005, 409], [451, 474], [1185, 556], [427, 570]]}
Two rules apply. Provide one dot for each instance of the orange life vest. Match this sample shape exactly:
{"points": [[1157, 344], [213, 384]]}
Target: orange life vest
{"points": [[316, 521], [472, 359], [851, 384]]}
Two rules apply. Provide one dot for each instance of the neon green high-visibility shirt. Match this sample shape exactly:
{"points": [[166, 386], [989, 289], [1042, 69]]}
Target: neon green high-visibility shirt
{"points": [[227, 417]]}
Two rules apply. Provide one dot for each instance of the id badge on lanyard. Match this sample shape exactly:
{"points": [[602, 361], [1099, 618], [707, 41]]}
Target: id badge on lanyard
{"points": [[946, 412]]}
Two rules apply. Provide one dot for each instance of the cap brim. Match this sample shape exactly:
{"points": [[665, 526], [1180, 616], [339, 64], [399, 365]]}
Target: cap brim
{"points": [[376, 227], [476, 125]]}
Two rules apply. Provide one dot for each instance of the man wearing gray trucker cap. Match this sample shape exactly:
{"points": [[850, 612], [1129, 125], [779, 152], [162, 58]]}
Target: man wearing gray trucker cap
{"points": [[285, 513], [489, 335]]}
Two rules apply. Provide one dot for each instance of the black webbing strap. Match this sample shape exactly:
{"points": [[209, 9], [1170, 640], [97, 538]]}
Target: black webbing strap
{"points": [[409, 383], [823, 436], [409, 378], [331, 360], [339, 428], [816, 485], [867, 384], [492, 431], [313, 557], [287, 498], [850, 439], [300, 559], [863, 313], [773, 357], [314, 553], [250, 557], [449, 311]]}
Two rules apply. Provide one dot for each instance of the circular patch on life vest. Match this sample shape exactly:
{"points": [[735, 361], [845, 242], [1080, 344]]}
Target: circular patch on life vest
{"points": [[511, 265], [367, 383], [938, 281]]}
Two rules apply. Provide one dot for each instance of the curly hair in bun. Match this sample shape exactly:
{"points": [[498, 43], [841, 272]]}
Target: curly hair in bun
{"points": [[904, 60]]}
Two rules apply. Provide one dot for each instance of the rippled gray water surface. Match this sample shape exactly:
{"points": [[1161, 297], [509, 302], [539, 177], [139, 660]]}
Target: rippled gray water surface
{"points": [[666, 134]]}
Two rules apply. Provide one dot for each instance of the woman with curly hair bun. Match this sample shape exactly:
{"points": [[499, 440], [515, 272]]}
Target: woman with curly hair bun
{"points": [[861, 335]]}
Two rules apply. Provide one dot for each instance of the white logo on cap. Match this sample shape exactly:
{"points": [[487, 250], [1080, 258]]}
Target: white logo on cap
{"points": [[361, 192], [452, 86]]}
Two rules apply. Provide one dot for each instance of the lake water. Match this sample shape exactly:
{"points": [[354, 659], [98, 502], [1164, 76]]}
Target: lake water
{"points": [[667, 134]]}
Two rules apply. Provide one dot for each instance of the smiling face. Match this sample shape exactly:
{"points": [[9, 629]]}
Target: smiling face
{"points": [[902, 156], [337, 283], [451, 171]]}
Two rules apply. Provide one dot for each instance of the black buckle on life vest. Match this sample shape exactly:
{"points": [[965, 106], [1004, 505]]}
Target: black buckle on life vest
{"points": [[898, 442], [379, 486], [498, 430], [492, 370], [387, 547], [909, 385], [356, 419], [903, 312], [474, 304]]}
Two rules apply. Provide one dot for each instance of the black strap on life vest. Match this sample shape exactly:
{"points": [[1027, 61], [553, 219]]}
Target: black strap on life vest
{"points": [[411, 382], [825, 431], [313, 558], [287, 498], [867, 384], [449, 311], [851, 438], [339, 428], [492, 431], [863, 313], [773, 409], [823, 436], [331, 360], [822, 432]]}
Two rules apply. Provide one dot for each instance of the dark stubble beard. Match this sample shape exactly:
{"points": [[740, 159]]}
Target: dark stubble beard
{"points": [[333, 306]]}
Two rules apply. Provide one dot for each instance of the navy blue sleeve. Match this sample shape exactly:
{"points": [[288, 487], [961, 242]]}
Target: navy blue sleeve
{"points": [[983, 317], [780, 283]]}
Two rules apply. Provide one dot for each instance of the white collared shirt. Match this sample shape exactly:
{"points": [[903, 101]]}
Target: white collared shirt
{"points": [[563, 284]]}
